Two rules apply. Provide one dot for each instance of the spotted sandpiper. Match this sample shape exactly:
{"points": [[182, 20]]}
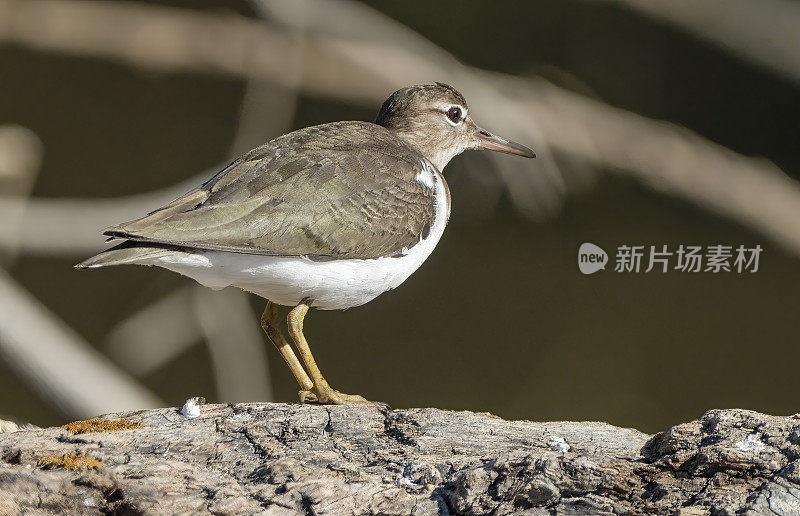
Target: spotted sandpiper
{"points": [[329, 216]]}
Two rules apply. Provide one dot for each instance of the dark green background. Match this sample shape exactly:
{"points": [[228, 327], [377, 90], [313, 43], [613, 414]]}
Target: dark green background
{"points": [[498, 319]]}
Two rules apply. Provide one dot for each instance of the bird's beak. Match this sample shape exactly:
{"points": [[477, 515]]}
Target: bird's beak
{"points": [[489, 141]]}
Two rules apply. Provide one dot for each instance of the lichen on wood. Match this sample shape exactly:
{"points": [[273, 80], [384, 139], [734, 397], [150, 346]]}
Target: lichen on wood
{"points": [[97, 424], [69, 461]]}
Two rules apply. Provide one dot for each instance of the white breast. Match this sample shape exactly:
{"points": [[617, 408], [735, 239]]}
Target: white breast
{"points": [[333, 284]]}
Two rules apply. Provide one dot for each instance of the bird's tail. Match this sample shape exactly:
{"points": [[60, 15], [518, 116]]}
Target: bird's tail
{"points": [[128, 252]]}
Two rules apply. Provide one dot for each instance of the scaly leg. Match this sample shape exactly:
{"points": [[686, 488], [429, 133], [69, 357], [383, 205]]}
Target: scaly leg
{"points": [[321, 389], [270, 322]]}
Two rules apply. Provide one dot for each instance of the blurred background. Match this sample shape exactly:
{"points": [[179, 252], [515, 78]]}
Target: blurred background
{"points": [[655, 121]]}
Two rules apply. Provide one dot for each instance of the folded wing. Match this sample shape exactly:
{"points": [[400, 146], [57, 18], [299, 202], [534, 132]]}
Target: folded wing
{"points": [[341, 190]]}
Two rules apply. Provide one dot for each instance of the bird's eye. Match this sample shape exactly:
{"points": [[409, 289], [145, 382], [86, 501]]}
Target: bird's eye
{"points": [[454, 114]]}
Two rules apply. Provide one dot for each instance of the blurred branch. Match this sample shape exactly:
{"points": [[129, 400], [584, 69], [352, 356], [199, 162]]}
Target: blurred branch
{"points": [[267, 111], [37, 346], [72, 226], [352, 67], [235, 343], [765, 32], [159, 38], [675, 161], [65, 369], [20, 157], [160, 332], [156, 334]]}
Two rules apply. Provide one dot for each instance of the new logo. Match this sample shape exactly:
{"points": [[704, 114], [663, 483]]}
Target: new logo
{"points": [[591, 258]]}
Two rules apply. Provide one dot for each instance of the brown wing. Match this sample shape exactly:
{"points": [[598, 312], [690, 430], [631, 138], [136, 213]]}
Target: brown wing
{"points": [[344, 190]]}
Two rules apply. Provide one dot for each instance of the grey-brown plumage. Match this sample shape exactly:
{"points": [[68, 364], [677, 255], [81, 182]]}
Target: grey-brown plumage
{"points": [[342, 190], [394, 111], [339, 190]]}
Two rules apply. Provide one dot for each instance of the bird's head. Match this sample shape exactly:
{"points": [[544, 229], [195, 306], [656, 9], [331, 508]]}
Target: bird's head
{"points": [[435, 119]]}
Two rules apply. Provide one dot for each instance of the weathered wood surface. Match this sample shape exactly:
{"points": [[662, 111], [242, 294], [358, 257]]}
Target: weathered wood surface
{"points": [[290, 459]]}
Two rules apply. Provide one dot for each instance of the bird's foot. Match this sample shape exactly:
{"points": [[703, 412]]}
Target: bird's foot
{"points": [[328, 396], [307, 396]]}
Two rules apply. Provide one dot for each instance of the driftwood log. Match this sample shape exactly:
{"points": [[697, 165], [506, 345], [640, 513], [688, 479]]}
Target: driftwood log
{"points": [[290, 459]]}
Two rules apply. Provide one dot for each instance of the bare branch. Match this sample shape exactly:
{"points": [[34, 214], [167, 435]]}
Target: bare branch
{"points": [[236, 344], [156, 334], [764, 32], [20, 159], [73, 226], [20, 156], [58, 362]]}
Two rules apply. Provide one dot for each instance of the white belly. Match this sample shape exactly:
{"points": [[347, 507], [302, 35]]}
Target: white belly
{"points": [[331, 285]]}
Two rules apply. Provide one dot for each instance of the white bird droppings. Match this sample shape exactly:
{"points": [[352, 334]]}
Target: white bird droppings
{"points": [[751, 443], [558, 444], [192, 406], [417, 478]]}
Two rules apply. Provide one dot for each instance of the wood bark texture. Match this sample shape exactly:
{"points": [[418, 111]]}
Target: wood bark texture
{"points": [[269, 458]]}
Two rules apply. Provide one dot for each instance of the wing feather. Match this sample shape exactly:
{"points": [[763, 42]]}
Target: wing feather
{"points": [[343, 190]]}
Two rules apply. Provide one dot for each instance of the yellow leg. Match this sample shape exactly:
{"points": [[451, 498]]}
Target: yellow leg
{"points": [[270, 322], [321, 389]]}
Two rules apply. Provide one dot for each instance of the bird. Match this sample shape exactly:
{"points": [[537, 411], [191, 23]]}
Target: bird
{"points": [[327, 217]]}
